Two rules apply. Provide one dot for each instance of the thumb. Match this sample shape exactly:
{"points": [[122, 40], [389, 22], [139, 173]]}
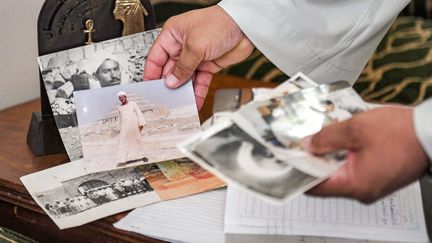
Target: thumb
{"points": [[189, 59], [331, 138]]}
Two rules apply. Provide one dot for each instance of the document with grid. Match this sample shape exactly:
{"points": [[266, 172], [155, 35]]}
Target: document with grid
{"points": [[398, 217]]}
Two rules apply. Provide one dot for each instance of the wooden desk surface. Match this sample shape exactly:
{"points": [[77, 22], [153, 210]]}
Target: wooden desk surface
{"points": [[18, 210]]}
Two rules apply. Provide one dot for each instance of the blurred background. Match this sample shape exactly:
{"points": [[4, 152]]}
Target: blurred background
{"points": [[400, 70]]}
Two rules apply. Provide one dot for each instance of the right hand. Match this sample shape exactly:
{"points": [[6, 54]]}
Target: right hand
{"points": [[196, 45], [384, 154]]}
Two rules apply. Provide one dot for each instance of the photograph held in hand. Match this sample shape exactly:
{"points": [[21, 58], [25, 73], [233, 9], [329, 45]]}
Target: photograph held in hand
{"points": [[258, 146], [133, 124]]}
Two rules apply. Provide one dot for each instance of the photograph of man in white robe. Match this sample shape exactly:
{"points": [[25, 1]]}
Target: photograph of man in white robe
{"points": [[134, 124], [130, 143]]}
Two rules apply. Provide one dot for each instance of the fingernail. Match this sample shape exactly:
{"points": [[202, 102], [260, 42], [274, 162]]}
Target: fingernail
{"points": [[306, 143], [171, 81]]}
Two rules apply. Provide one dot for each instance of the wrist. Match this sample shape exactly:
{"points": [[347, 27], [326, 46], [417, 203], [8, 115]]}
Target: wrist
{"points": [[228, 22]]}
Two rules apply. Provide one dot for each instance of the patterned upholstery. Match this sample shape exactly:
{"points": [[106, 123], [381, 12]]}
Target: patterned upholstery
{"points": [[400, 70]]}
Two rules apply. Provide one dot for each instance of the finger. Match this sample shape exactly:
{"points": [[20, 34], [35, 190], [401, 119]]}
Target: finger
{"points": [[188, 61], [201, 86], [336, 185], [155, 62], [337, 136], [168, 67], [164, 47]]}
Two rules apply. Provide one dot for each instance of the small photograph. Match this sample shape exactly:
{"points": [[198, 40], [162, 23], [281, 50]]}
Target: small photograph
{"points": [[72, 197], [284, 121], [93, 190], [180, 177], [302, 81], [260, 115], [345, 101], [128, 125], [236, 156], [112, 62], [297, 82], [306, 112]]}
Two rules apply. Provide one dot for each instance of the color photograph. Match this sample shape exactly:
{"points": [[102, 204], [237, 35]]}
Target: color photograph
{"points": [[128, 125]]}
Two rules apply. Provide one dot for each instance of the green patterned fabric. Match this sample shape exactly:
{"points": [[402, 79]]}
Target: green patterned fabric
{"points": [[400, 70], [9, 236]]}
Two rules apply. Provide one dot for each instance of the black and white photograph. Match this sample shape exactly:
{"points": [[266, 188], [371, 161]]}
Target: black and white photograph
{"points": [[238, 158], [296, 83], [268, 106], [132, 124], [284, 121], [71, 197], [258, 115], [304, 113], [109, 63], [258, 146]]}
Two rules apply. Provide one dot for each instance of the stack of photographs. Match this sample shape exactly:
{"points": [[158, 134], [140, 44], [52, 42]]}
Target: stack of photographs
{"points": [[257, 148], [72, 197], [119, 131]]}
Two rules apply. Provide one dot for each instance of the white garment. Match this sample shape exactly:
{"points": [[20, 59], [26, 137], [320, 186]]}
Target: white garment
{"points": [[130, 144], [109, 192], [328, 40], [423, 127]]}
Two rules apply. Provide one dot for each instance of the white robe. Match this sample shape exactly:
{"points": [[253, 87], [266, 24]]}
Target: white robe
{"points": [[130, 144], [328, 40]]}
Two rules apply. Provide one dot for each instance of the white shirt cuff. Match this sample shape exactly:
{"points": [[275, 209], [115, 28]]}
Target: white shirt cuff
{"points": [[327, 42], [423, 126]]}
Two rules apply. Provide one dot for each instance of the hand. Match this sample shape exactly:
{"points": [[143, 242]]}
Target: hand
{"points": [[141, 127], [196, 45], [384, 154]]}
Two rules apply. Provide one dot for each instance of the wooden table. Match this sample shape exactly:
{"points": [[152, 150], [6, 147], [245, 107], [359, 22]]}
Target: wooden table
{"points": [[19, 212]]}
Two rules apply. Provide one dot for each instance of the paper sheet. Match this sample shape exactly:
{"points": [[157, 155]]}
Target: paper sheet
{"points": [[398, 217], [197, 218]]}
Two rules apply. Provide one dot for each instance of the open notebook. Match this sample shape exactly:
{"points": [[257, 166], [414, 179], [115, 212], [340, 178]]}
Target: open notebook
{"points": [[199, 218], [397, 218]]}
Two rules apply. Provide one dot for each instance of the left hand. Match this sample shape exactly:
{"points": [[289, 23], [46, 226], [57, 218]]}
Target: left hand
{"points": [[384, 154]]}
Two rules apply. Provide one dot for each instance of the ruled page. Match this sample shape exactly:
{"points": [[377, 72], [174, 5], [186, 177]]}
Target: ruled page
{"points": [[398, 217], [197, 218]]}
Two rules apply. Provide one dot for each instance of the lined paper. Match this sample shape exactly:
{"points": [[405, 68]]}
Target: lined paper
{"points": [[398, 217], [198, 218]]}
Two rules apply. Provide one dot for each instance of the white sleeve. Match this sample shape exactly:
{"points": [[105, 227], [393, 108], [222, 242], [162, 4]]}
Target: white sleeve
{"points": [[328, 40], [423, 126]]}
